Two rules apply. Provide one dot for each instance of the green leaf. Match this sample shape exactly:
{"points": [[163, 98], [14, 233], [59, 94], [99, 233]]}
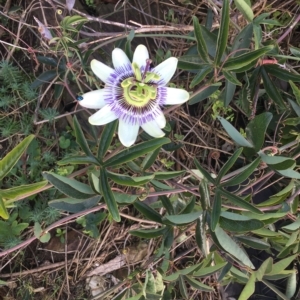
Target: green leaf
{"points": [[296, 92], [231, 77], [256, 129], [229, 163], [243, 175], [242, 277], [274, 289], [106, 139], [247, 12], [44, 237], [128, 180], [208, 271], [265, 232], [254, 242], [72, 20], [198, 285], [249, 288], [240, 226], [293, 226], [185, 271], [234, 216], [240, 202], [135, 151], [204, 94], [74, 205], [295, 51], [216, 210], [80, 139], [201, 45], [264, 268], [109, 196], [223, 33], [64, 143], [242, 41], [3, 211], [4, 283], [229, 245], [147, 211], [273, 160], [199, 77], [11, 158], [148, 233], [47, 60], [291, 286], [292, 121], [150, 159], [167, 204], [272, 89], [22, 190], [234, 134], [228, 92], [282, 275], [204, 194], [200, 234], [295, 107], [168, 238], [123, 198], [190, 62], [182, 219], [78, 160], [190, 206], [281, 73], [282, 265], [289, 173], [225, 270], [45, 77], [210, 40], [204, 172], [240, 61], [70, 187]]}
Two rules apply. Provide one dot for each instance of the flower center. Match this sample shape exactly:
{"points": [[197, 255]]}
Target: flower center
{"points": [[138, 90]]}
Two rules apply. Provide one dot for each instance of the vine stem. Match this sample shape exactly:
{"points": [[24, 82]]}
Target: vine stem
{"points": [[290, 28]]}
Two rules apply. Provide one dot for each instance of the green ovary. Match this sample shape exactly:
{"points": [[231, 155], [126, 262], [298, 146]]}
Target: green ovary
{"points": [[138, 94], [137, 90]]}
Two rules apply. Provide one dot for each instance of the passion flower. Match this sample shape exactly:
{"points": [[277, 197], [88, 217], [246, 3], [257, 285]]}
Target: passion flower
{"points": [[134, 93]]}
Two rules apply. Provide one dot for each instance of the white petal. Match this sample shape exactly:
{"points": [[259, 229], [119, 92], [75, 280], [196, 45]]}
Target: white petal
{"points": [[152, 128], [93, 99], [127, 133], [103, 116], [161, 120], [166, 69], [101, 70], [140, 56], [176, 96], [120, 59]]}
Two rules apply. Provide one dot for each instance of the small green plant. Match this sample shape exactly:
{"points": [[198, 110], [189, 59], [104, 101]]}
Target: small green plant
{"points": [[61, 234]]}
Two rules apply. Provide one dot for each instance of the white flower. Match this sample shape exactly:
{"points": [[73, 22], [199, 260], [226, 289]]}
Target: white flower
{"points": [[134, 93]]}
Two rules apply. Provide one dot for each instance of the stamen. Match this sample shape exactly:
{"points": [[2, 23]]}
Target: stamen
{"points": [[147, 68], [137, 71]]}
